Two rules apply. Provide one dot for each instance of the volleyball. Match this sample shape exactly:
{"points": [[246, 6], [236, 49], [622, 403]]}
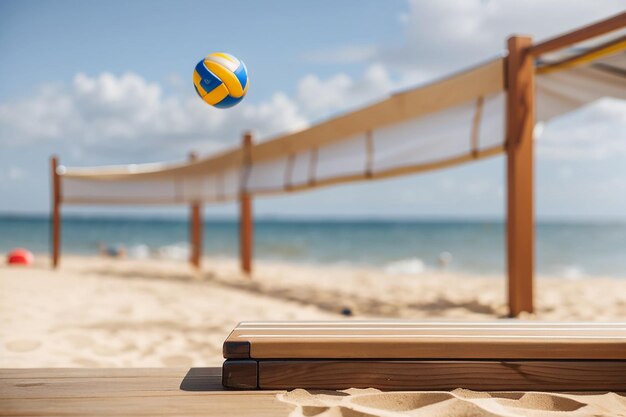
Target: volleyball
{"points": [[221, 80]]}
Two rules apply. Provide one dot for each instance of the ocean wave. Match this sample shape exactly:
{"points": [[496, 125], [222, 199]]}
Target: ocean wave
{"points": [[410, 266], [139, 252], [178, 251], [175, 251], [573, 272]]}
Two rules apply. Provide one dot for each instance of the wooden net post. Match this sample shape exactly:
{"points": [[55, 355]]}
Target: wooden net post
{"points": [[195, 228], [520, 228], [246, 227], [55, 220]]}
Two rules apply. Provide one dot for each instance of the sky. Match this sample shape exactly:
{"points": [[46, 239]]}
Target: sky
{"points": [[100, 83]]}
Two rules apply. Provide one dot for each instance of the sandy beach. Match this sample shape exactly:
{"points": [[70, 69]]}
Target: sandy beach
{"points": [[98, 312], [460, 402]]}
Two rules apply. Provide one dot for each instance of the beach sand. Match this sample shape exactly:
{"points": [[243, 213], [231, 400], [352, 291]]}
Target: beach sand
{"points": [[97, 312], [460, 402]]}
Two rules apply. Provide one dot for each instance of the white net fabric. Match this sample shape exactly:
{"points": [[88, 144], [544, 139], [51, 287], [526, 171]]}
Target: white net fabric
{"points": [[560, 92], [90, 191]]}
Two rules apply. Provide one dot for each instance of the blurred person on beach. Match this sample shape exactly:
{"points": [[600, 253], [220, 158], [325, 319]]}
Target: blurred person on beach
{"points": [[112, 251]]}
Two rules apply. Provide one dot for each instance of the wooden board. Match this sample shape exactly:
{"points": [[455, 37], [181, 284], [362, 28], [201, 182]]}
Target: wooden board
{"points": [[402, 355], [129, 392], [426, 375], [506, 339]]}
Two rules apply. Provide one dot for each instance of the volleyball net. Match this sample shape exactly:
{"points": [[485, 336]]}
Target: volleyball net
{"points": [[483, 111]]}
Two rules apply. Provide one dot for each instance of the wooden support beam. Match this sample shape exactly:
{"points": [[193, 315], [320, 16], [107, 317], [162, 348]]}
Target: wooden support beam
{"points": [[593, 30], [246, 226], [520, 228], [195, 228], [55, 220]]}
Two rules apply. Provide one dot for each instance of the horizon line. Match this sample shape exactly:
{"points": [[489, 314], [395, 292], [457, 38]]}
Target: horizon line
{"points": [[313, 218]]}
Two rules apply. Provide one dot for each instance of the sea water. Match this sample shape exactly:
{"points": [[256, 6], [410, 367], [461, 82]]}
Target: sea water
{"points": [[570, 250]]}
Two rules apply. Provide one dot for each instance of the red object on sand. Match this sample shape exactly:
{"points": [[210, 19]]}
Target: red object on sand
{"points": [[20, 256]]}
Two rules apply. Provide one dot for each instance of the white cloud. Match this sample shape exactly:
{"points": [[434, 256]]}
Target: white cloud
{"points": [[447, 35], [110, 113], [340, 92], [443, 36]]}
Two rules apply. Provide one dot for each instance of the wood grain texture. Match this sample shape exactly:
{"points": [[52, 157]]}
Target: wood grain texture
{"points": [[240, 374], [444, 375], [516, 340], [128, 392], [234, 349]]}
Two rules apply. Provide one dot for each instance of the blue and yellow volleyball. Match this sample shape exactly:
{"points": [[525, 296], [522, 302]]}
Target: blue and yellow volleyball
{"points": [[221, 80]]}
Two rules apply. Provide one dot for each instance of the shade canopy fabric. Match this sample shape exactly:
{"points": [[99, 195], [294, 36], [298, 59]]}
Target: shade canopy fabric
{"points": [[454, 120]]}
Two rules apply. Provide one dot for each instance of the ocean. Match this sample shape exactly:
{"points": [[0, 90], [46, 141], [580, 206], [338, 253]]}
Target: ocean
{"points": [[566, 249]]}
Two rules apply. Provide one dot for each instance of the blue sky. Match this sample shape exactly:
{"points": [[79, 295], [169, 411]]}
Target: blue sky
{"points": [[92, 81], [159, 39]]}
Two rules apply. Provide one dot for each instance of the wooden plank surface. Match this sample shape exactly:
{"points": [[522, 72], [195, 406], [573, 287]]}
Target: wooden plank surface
{"points": [[580, 35], [240, 374], [129, 392], [443, 375], [429, 340]]}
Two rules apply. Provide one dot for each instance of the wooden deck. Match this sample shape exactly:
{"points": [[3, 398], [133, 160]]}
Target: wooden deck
{"points": [[129, 392]]}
